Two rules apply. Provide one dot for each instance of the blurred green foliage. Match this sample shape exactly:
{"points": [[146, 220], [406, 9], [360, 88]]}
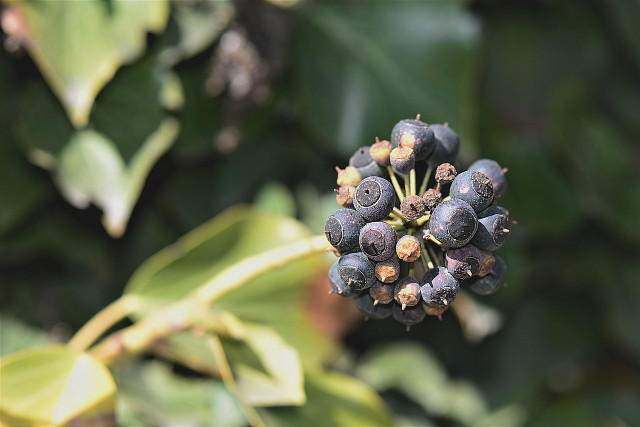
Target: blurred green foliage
{"points": [[264, 101]]}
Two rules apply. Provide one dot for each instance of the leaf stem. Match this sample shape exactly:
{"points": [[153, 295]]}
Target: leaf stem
{"points": [[101, 322]]}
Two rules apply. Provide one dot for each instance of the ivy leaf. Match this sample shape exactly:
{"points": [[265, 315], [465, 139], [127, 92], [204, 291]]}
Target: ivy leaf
{"points": [[54, 385], [79, 45]]}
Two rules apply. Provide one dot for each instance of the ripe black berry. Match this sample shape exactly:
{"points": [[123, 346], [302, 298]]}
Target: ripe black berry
{"points": [[439, 287], [357, 271], [491, 282], [414, 134], [367, 306], [378, 240], [492, 232], [364, 163], [338, 286], [494, 172], [474, 188], [412, 207], [409, 316], [464, 262], [453, 223], [374, 198], [407, 292], [342, 229], [447, 145]]}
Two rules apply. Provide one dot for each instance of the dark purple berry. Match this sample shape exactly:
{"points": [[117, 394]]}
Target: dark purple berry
{"points": [[494, 172], [342, 229], [412, 207], [338, 286], [367, 306], [375, 198], [407, 292], [464, 262], [403, 160], [378, 240], [491, 282], [447, 145], [381, 293], [409, 316], [474, 188], [439, 287], [357, 271], [492, 232], [414, 134], [453, 223], [388, 271], [364, 163]]}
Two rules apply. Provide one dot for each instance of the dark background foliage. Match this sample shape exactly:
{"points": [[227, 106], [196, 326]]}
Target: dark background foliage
{"points": [[549, 89]]}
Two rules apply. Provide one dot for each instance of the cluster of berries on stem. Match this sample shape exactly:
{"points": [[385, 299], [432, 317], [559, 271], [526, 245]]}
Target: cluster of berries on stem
{"points": [[406, 251]]}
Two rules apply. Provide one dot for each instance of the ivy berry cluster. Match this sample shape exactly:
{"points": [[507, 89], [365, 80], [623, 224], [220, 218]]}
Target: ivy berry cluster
{"points": [[405, 251]]}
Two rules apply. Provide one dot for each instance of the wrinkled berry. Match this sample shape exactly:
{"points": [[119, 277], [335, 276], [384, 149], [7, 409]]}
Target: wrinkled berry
{"points": [[445, 174], [357, 271], [431, 199], [375, 198], [378, 240], [344, 195], [453, 223], [412, 207], [439, 287], [474, 188]]}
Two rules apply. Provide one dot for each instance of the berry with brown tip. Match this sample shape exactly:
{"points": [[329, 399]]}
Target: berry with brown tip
{"points": [[382, 293], [439, 287], [464, 262], [445, 174], [348, 176], [344, 195], [494, 172], [414, 134], [402, 160], [380, 152], [407, 292], [408, 248], [364, 163], [388, 271]]}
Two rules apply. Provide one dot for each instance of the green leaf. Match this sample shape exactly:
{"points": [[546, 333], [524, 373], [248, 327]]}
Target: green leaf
{"points": [[90, 170], [398, 366], [53, 385], [19, 336], [198, 25], [268, 371], [332, 400], [388, 60], [273, 299], [277, 198], [79, 45], [151, 394]]}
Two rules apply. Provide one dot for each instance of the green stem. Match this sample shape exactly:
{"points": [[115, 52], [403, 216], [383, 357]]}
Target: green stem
{"points": [[399, 214], [427, 264], [407, 186], [412, 181], [425, 181], [396, 184], [185, 313], [227, 377], [101, 322]]}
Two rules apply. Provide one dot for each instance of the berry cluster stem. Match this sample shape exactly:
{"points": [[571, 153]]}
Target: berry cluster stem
{"points": [[396, 184], [425, 181]]}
